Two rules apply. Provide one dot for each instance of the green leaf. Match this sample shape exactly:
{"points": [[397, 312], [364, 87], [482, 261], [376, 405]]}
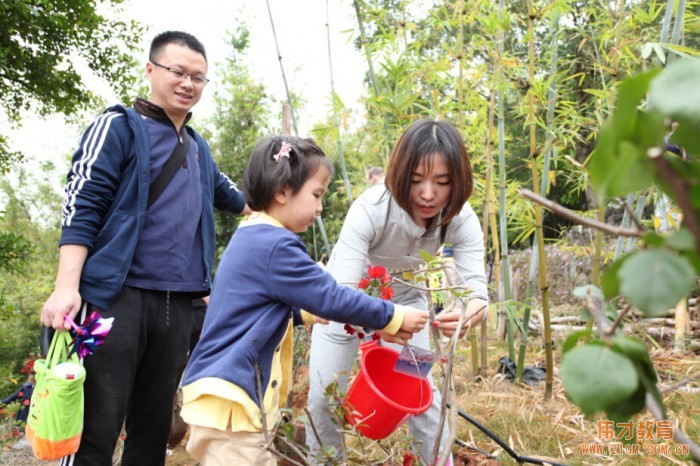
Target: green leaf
{"points": [[675, 91], [635, 350], [659, 51], [609, 282], [582, 292], [572, 339], [686, 136], [614, 157], [655, 280], [425, 255], [601, 159], [652, 388], [597, 378], [625, 409], [650, 129], [629, 95], [653, 239], [694, 259], [681, 240], [630, 170]]}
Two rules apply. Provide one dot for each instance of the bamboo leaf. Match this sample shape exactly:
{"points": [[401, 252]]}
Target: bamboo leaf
{"points": [[680, 50], [659, 51]]}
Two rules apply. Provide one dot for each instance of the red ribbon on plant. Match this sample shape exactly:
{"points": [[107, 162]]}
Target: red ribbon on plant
{"points": [[89, 335]]}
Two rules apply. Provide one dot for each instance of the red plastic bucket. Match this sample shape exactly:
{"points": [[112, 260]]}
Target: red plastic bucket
{"points": [[381, 399]]}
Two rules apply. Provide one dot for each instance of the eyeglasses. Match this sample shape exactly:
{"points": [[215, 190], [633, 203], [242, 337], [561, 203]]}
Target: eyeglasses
{"points": [[197, 79]]}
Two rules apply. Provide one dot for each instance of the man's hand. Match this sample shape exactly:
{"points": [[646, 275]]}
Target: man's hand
{"points": [[65, 299], [58, 306], [447, 320]]}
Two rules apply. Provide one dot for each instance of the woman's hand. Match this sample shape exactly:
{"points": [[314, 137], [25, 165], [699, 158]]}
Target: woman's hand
{"points": [[447, 320]]}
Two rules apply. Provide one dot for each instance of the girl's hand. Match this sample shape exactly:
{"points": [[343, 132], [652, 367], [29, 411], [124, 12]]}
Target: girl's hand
{"points": [[447, 321], [400, 338], [414, 319]]}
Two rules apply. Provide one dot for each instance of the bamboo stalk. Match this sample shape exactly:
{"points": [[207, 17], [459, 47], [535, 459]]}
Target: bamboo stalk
{"points": [[284, 76], [502, 190], [681, 311], [548, 345], [624, 224], [372, 75], [336, 123], [489, 217], [460, 56], [544, 188], [407, 50], [677, 30]]}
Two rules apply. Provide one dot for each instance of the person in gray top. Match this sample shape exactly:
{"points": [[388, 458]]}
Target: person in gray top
{"points": [[422, 206]]}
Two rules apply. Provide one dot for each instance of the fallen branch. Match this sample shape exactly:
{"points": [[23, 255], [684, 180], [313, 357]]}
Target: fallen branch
{"points": [[682, 383]]}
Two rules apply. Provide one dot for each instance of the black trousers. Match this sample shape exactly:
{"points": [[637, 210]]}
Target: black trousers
{"points": [[132, 378]]}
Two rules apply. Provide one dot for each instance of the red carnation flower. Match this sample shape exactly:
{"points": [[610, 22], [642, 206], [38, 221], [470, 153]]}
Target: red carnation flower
{"points": [[376, 284], [376, 272], [386, 293]]}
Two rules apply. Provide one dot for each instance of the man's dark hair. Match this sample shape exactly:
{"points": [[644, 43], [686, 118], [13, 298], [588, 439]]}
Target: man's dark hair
{"points": [[175, 37]]}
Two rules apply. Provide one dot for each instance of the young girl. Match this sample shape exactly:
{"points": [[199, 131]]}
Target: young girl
{"points": [[422, 205], [239, 373]]}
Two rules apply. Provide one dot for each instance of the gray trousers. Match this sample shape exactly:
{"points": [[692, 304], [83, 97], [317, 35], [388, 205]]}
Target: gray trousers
{"points": [[331, 358]]}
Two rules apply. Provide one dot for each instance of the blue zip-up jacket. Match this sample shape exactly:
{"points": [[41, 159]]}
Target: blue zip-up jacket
{"points": [[107, 198]]}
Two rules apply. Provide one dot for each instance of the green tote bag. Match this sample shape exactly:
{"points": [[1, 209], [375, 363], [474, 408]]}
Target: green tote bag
{"points": [[55, 421]]}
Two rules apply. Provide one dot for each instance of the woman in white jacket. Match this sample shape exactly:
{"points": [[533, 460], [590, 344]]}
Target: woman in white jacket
{"points": [[422, 205]]}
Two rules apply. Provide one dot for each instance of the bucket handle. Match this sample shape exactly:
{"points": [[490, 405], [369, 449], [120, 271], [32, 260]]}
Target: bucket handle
{"points": [[365, 345]]}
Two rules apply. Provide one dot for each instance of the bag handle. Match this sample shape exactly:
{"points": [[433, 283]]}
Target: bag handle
{"points": [[58, 351]]}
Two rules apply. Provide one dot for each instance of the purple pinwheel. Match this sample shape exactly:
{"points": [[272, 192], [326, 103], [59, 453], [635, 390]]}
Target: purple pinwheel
{"points": [[89, 335]]}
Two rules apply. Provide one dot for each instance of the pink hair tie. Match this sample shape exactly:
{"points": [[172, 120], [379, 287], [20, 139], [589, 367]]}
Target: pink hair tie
{"points": [[284, 152]]}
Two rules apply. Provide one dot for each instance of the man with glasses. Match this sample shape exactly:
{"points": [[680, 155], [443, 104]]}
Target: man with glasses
{"points": [[137, 256]]}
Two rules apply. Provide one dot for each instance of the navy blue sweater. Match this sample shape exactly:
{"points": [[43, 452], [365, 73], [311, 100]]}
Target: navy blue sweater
{"points": [[264, 274]]}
